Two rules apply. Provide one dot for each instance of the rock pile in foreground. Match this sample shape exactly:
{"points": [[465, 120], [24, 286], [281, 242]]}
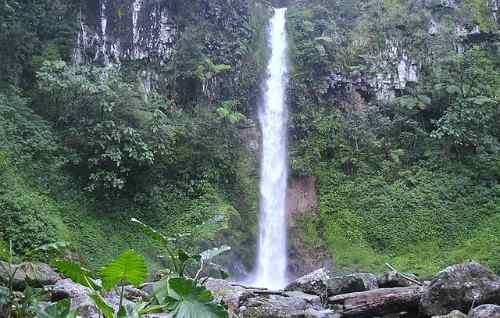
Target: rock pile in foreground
{"points": [[463, 290], [459, 291]]}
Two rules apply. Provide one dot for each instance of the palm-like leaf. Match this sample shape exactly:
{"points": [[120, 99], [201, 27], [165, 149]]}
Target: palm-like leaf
{"points": [[128, 267]]}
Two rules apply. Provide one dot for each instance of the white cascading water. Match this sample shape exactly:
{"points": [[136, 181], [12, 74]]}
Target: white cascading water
{"points": [[272, 250]]}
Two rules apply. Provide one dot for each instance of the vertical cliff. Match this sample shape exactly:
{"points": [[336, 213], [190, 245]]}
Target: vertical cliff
{"points": [[199, 50], [119, 31]]}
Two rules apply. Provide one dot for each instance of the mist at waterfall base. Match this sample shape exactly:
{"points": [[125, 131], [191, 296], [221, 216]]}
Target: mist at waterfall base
{"points": [[271, 262]]}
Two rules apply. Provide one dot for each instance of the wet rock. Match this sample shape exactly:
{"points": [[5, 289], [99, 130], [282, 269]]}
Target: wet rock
{"points": [[485, 311], [459, 286], [80, 297], [357, 282], [314, 283], [28, 274], [393, 279], [313, 300], [313, 313], [39, 274], [301, 197], [453, 314], [134, 294], [148, 288], [273, 306], [250, 136], [19, 277], [230, 294]]}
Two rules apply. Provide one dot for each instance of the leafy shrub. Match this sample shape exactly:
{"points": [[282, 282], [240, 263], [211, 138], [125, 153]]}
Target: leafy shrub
{"points": [[32, 218], [416, 220]]}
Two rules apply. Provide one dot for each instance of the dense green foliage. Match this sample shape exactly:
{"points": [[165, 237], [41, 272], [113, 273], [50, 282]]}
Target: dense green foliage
{"points": [[176, 293], [413, 179], [83, 148], [407, 170]]}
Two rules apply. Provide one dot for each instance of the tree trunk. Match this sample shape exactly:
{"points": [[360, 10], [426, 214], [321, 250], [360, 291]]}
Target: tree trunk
{"points": [[377, 301]]}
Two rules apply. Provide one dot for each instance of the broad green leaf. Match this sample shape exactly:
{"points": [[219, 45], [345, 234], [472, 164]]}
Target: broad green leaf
{"points": [[183, 259], [161, 291], [128, 267], [61, 309], [75, 272], [102, 305], [122, 312], [193, 301], [133, 310]]}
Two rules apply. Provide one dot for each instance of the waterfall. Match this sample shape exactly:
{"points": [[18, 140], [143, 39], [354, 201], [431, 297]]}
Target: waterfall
{"points": [[272, 250]]}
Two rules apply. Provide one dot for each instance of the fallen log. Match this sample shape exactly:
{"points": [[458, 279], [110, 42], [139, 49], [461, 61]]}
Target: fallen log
{"points": [[377, 302]]}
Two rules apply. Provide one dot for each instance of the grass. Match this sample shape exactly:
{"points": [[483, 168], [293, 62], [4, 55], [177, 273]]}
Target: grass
{"points": [[419, 223]]}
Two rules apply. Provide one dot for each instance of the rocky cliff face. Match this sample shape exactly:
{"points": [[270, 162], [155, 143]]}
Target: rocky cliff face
{"points": [[189, 50], [118, 31], [384, 73]]}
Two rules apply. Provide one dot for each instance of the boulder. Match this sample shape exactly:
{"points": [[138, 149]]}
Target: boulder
{"points": [[314, 283], [459, 286], [357, 282], [80, 297], [28, 274], [134, 294], [19, 277], [39, 274], [453, 314], [148, 288], [313, 300], [313, 313], [394, 279], [485, 311], [230, 294], [273, 306]]}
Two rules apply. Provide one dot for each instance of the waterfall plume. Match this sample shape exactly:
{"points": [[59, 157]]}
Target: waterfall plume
{"points": [[271, 271]]}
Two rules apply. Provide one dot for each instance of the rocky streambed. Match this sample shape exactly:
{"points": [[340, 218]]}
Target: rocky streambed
{"points": [[462, 290]]}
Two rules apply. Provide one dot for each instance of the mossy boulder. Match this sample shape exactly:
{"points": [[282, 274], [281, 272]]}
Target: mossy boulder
{"points": [[459, 286]]}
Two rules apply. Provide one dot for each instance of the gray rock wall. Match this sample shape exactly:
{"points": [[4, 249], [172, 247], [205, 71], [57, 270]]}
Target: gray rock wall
{"points": [[115, 31]]}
